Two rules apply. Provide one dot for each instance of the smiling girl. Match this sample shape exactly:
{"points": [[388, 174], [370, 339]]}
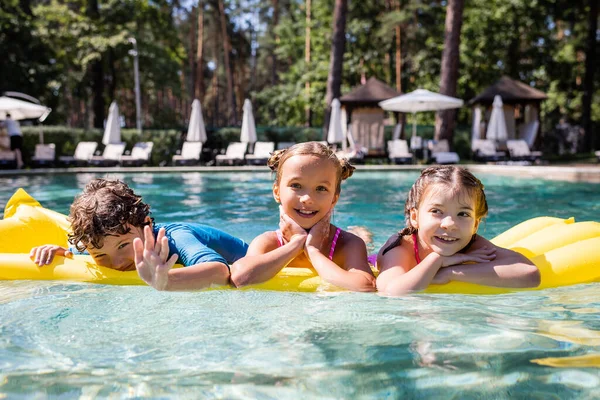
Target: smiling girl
{"points": [[440, 243], [307, 187]]}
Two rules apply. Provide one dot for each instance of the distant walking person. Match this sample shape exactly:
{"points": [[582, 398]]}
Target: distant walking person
{"points": [[16, 139]]}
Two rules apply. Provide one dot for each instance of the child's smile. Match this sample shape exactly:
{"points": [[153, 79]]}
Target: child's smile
{"points": [[445, 220], [307, 189]]}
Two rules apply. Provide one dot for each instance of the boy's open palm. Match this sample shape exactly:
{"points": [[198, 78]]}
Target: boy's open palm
{"points": [[151, 258]]}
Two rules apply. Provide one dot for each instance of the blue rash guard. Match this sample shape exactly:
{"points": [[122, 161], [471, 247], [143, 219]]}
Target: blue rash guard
{"points": [[196, 243]]}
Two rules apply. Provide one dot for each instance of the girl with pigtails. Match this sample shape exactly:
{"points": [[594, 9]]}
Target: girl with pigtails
{"points": [[440, 242], [307, 187]]}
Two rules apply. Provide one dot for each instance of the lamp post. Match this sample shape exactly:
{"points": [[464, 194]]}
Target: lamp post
{"points": [[136, 75]]}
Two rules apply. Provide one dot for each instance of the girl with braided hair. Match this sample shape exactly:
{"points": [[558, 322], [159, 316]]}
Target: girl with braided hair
{"points": [[440, 242], [307, 187]]}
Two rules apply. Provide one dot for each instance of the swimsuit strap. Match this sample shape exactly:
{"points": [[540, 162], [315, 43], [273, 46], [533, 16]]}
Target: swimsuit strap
{"points": [[334, 242], [416, 247], [279, 237]]}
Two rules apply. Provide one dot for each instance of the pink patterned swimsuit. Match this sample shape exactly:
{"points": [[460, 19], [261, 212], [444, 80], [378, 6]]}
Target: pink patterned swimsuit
{"points": [[333, 242]]}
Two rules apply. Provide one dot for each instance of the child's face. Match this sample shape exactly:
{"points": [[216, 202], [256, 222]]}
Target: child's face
{"points": [[117, 250], [306, 189], [445, 220]]}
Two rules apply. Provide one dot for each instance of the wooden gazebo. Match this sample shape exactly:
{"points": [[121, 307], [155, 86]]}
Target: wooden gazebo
{"points": [[520, 101], [364, 114]]}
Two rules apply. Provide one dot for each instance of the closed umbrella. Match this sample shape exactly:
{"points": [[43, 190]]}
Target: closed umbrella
{"points": [[196, 129], [112, 130], [420, 100], [496, 129], [248, 127], [476, 128], [335, 134]]}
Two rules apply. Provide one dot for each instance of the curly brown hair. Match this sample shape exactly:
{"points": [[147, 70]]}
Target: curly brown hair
{"points": [[106, 207], [343, 166]]}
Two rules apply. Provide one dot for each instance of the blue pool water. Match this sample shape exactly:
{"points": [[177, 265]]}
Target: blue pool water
{"points": [[62, 340]]}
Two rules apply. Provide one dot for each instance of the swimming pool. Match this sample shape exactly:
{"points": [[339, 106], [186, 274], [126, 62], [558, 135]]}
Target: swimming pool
{"points": [[77, 340]]}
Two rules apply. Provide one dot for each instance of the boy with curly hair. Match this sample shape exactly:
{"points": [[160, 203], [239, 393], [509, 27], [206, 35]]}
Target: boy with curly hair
{"points": [[111, 223]]}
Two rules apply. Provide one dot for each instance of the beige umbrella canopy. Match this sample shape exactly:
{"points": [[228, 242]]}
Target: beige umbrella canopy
{"points": [[418, 101], [19, 109]]}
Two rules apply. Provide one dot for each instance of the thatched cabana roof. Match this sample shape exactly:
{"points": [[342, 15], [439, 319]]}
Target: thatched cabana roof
{"points": [[369, 94], [511, 91]]}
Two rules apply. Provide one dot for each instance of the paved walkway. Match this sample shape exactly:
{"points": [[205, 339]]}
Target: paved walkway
{"points": [[573, 173]]}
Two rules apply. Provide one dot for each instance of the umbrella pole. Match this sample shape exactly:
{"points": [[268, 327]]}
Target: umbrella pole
{"points": [[414, 121]]}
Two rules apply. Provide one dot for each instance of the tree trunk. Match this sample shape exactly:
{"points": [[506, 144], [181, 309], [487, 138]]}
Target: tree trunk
{"points": [[334, 79], [274, 77], [445, 120], [231, 112], [191, 56], [590, 141], [398, 52], [307, 109], [199, 87], [97, 74]]}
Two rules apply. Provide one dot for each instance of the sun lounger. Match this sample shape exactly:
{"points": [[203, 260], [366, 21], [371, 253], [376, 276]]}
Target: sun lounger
{"points": [[519, 151], [8, 159], [234, 154], [140, 155], [262, 152], [83, 152], [190, 154], [484, 150], [44, 155], [441, 154], [110, 156], [398, 152]]}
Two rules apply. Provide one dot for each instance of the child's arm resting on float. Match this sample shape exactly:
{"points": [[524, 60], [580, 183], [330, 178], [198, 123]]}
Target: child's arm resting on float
{"points": [[355, 274], [43, 255], [156, 270], [264, 259], [509, 269], [395, 280]]}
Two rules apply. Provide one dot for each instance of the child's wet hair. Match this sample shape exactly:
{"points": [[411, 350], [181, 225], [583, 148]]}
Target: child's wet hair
{"points": [[456, 179], [279, 157], [106, 207]]}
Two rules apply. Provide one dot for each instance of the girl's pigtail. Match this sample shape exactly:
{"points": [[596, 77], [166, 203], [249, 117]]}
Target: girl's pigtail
{"points": [[347, 168], [273, 161]]}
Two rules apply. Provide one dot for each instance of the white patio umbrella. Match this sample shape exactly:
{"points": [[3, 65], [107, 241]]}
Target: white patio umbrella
{"points": [[420, 100], [196, 129], [19, 109], [112, 129], [248, 127], [496, 129], [335, 134]]}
